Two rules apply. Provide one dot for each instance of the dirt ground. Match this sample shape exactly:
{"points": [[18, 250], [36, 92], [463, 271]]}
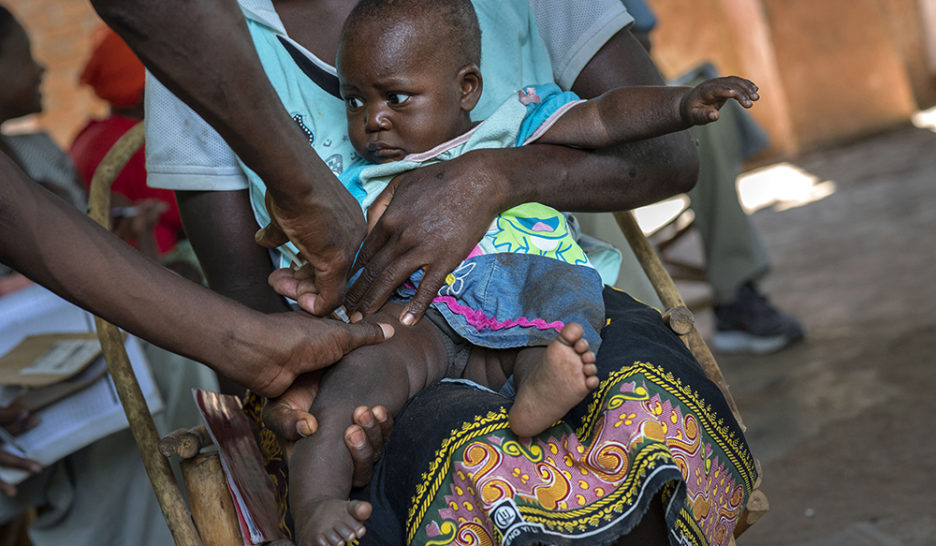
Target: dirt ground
{"points": [[841, 422]]}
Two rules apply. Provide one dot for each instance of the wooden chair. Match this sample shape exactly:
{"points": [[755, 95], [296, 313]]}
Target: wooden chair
{"points": [[211, 504], [204, 523]]}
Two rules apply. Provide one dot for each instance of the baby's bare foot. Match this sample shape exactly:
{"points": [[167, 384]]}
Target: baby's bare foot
{"points": [[333, 522], [566, 374]]}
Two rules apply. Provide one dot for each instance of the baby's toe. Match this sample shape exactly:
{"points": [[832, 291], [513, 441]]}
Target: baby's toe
{"points": [[571, 333]]}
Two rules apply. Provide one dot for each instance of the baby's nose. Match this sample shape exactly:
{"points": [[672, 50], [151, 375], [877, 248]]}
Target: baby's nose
{"points": [[377, 120]]}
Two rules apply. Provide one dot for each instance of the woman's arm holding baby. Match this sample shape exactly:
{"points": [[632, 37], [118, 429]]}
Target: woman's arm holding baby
{"points": [[634, 113]]}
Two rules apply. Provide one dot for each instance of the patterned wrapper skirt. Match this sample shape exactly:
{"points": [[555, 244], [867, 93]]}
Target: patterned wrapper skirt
{"points": [[656, 427]]}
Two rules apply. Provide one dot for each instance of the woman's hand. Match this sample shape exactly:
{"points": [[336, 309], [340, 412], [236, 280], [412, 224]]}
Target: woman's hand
{"points": [[299, 344], [435, 217], [429, 218], [327, 238], [288, 416]]}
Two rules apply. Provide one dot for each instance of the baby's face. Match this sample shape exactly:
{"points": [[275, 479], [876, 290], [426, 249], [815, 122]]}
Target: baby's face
{"points": [[398, 101]]}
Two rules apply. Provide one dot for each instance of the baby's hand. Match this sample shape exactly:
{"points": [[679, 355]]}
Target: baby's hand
{"points": [[702, 103]]}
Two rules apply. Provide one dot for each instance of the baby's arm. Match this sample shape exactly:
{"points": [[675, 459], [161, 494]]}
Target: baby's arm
{"points": [[626, 114]]}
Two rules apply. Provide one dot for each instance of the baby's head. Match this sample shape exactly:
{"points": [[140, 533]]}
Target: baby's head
{"points": [[409, 74]]}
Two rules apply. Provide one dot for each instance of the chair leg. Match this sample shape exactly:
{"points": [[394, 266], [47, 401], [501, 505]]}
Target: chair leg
{"points": [[756, 507], [211, 501]]}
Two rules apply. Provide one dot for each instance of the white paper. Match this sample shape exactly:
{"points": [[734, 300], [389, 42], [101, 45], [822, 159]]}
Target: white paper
{"points": [[64, 358], [87, 415]]}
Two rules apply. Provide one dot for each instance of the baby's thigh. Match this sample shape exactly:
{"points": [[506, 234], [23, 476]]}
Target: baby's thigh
{"points": [[491, 367], [388, 373]]}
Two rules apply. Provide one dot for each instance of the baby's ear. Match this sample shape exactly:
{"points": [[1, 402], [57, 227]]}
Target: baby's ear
{"points": [[469, 80]]}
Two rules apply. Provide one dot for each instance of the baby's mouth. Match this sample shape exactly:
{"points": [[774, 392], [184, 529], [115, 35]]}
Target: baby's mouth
{"points": [[382, 153]]}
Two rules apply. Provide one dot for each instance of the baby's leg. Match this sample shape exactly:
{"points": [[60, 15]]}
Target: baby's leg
{"points": [[551, 380], [320, 467]]}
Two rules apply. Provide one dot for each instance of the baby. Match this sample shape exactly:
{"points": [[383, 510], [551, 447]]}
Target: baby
{"points": [[526, 300]]}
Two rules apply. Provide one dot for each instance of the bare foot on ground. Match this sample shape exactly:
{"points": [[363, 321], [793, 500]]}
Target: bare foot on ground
{"points": [[566, 374], [333, 522]]}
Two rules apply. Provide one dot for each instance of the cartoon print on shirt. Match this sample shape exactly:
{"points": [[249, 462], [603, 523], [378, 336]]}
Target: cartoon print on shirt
{"points": [[533, 228], [335, 163]]}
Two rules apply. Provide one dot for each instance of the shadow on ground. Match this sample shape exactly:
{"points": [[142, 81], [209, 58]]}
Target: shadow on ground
{"points": [[842, 422]]}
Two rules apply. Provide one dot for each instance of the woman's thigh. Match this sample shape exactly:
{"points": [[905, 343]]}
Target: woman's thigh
{"points": [[655, 428]]}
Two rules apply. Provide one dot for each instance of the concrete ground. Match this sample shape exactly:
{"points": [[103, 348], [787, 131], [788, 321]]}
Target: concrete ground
{"points": [[842, 422]]}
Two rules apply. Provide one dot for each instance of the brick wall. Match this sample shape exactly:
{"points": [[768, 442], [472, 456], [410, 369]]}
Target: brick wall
{"points": [[60, 31]]}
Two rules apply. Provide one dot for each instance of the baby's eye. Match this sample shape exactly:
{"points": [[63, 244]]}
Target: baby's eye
{"points": [[354, 102], [397, 98]]}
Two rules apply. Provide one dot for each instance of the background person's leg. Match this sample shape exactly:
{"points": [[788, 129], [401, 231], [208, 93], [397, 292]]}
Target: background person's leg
{"points": [[736, 260], [734, 253]]}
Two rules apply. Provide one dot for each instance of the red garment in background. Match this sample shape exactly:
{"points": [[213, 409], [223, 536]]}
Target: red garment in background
{"points": [[89, 148]]}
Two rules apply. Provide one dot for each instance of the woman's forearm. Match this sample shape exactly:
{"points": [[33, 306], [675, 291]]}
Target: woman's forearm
{"points": [[50, 242], [646, 170], [203, 53], [616, 178]]}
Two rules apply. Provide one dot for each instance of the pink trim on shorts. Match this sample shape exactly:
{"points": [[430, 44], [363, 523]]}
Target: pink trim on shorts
{"points": [[481, 322]]}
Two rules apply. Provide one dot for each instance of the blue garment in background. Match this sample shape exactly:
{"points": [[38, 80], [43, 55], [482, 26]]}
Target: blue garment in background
{"points": [[644, 18]]}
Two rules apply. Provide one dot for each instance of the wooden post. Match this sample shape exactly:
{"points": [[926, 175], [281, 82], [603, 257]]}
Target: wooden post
{"points": [[672, 301], [185, 443], [118, 364], [756, 507], [210, 499]]}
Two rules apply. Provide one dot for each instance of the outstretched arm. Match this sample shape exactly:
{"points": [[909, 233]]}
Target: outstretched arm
{"points": [[50, 242], [202, 52], [635, 113], [439, 212]]}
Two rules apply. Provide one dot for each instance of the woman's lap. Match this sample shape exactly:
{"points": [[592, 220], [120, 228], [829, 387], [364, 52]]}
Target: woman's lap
{"points": [[655, 426]]}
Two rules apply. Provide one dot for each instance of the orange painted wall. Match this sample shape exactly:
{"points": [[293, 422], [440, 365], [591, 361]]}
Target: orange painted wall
{"points": [[830, 70], [904, 21], [843, 76]]}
